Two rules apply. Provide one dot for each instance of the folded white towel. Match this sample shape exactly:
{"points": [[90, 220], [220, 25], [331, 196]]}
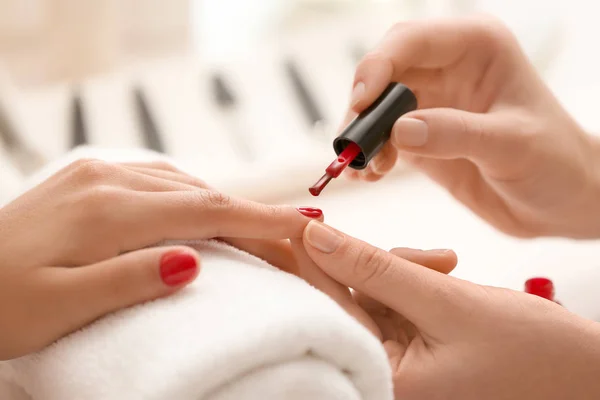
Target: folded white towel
{"points": [[243, 330]]}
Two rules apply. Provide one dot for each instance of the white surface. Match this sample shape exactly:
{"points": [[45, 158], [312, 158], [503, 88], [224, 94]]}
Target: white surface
{"points": [[410, 212], [264, 334], [413, 212]]}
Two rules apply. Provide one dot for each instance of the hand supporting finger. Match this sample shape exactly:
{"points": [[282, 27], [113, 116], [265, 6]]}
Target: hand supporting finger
{"points": [[441, 260], [311, 273], [423, 296]]}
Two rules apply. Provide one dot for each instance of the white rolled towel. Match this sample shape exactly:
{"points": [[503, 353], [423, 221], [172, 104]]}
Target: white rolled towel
{"points": [[243, 330]]}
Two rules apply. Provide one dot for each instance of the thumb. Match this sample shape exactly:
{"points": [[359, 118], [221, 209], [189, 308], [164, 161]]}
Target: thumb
{"points": [[423, 296], [449, 134], [90, 292]]}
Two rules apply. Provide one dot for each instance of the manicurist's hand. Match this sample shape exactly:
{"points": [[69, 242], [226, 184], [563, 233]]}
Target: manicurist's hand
{"points": [[76, 247], [451, 339], [487, 128]]}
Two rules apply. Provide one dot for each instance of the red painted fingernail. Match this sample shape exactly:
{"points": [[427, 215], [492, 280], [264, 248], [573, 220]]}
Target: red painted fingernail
{"points": [[310, 212], [177, 267], [542, 287]]}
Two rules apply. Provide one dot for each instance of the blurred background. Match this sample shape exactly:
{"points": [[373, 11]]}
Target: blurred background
{"points": [[248, 95]]}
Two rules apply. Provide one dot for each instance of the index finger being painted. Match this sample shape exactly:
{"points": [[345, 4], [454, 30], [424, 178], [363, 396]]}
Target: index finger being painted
{"points": [[203, 214]]}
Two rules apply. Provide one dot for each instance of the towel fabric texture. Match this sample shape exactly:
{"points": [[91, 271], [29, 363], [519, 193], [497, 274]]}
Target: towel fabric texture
{"points": [[243, 330]]}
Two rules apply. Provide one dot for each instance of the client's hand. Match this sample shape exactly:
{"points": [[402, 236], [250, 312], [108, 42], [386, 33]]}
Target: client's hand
{"points": [[101, 217], [451, 339]]}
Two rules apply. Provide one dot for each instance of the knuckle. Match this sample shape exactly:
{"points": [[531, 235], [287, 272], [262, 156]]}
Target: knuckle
{"points": [[271, 211], [102, 194], [214, 199], [371, 265], [472, 129], [493, 31], [95, 205], [78, 163], [93, 171], [529, 131]]}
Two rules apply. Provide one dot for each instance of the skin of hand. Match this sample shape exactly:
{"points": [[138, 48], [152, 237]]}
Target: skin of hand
{"points": [[487, 129], [101, 218], [451, 339]]}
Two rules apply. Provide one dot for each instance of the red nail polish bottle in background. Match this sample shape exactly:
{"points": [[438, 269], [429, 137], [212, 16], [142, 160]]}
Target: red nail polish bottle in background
{"points": [[542, 287]]}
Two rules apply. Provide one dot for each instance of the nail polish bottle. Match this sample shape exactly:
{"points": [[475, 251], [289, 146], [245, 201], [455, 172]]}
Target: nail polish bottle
{"points": [[542, 287]]}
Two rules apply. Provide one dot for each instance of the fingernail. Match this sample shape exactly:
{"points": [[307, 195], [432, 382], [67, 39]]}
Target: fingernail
{"points": [[410, 132], [357, 94], [177, 267], [310, 212], [322, 237]]}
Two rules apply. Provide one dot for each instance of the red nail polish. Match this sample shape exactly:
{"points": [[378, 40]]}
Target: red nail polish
{"points": [[310, 212], [177, 267], [542, 287]]}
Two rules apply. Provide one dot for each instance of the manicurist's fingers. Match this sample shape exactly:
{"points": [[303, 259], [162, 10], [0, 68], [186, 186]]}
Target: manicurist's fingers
{"points": [[418, 293]]}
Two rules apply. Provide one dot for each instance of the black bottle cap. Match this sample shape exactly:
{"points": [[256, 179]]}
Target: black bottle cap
{"points": [[372, 128]]}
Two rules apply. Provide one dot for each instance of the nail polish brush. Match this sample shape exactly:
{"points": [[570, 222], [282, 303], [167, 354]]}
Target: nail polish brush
{"points": [[364, 137]]}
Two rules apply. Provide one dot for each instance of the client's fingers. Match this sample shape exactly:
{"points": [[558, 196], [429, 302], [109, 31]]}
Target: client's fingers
{"points": [[178, 177], [126, 280], [162, 169], [202, 214], [276, 252], [162, 165], [56, 301]]}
